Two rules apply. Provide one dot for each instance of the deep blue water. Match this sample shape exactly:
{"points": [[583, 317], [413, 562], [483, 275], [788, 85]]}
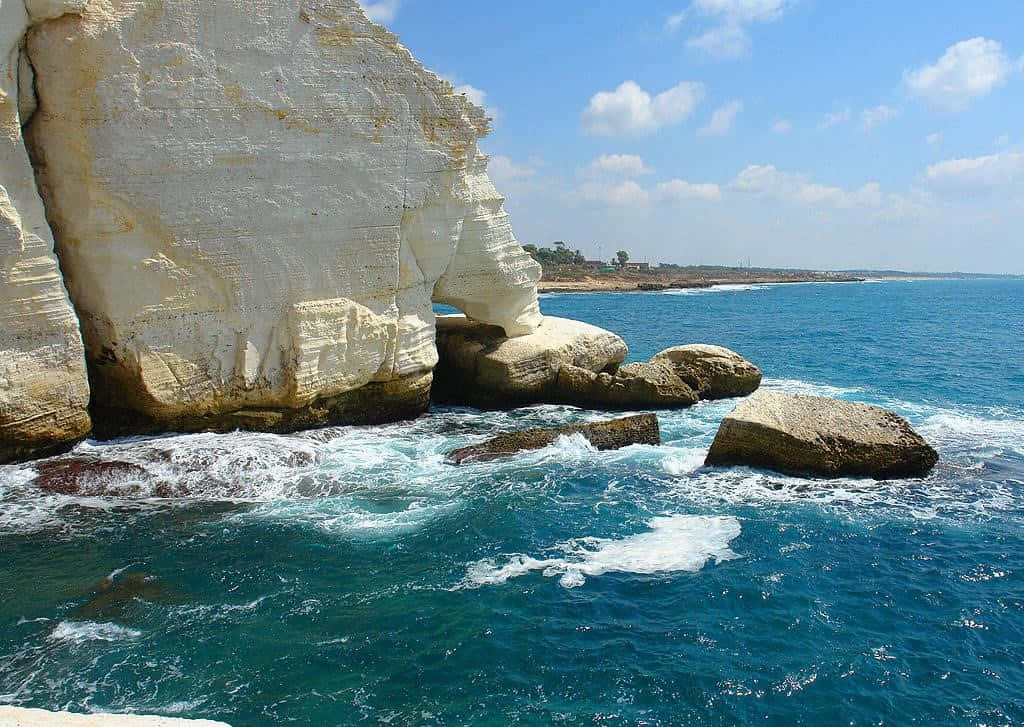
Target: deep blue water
{"points": [[350, 577]]}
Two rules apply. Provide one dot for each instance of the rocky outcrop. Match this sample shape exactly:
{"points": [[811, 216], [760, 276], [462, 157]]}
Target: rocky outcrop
{"points": [[44, 391], [635, 386], [568, 362], [615, 434], [255, 204], [805, 435], [481, 366], [17, 717], [713, 372]]}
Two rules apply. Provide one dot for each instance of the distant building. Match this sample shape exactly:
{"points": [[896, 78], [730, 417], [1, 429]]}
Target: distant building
{"points": [[595, 264], [636, 266]]}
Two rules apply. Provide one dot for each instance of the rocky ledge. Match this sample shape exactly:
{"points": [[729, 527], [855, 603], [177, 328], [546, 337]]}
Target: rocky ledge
{"points": [[569, 362], [807, 435], [18, 717], [614, 434]]}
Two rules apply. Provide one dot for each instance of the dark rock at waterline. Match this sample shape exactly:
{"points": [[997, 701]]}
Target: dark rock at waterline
{"points": [[89, 476], [809, 435], [615, 434]]}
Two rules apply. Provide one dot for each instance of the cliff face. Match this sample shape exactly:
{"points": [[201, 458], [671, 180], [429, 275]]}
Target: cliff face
{"points": [[44, 393], [254, 204]]}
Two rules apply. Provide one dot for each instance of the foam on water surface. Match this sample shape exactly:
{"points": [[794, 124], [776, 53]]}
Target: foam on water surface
{"points": [[677, 543]]}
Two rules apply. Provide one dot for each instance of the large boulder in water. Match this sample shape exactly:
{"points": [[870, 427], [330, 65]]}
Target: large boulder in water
{"points": [[809, 435], [635, 386], [614, 434], [713, 372], [481, 366]]}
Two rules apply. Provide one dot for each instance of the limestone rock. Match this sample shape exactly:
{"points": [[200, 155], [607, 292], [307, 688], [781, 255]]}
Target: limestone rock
{"points": [[481, 366], [634, 386], [44, 390], [18, 717], [615, 434], [255, 204], [805, 435], [713, 372]]}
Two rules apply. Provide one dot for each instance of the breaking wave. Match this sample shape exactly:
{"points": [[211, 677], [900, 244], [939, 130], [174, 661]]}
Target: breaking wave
{"points": [[679, 543]]}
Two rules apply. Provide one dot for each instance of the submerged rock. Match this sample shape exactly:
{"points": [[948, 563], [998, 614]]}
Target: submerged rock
{"points": [[615, 434], [479, 365], [20, 717], [90, 477], [714, 372], [809, 435]]}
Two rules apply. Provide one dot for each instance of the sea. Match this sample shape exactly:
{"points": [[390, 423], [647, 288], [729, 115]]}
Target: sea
{"points": [[350, 577]]}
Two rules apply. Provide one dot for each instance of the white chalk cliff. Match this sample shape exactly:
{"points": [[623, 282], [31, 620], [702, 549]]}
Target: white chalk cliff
{"points": [[44, 392], [254, 204]]}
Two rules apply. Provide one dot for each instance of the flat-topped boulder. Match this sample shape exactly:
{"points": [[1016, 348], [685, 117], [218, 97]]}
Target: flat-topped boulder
{"points": [[18, 717], [809, 435], [714, 372], [481, 366], [614, 434]]}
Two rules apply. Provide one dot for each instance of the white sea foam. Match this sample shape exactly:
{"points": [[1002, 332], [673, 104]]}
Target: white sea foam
{"points": [[806, 388], [677, 543], [78, 632], [724, 288]]}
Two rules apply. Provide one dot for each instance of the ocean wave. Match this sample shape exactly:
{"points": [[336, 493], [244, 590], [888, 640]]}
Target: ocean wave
{"points": [[677, 543], [724, 288], [79, 632]]}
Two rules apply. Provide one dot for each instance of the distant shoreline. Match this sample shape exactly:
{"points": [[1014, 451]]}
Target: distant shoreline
{"points": [[623, 284]]}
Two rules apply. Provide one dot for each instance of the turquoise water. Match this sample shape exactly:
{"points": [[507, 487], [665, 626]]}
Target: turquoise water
{"points": [[350, 577]]}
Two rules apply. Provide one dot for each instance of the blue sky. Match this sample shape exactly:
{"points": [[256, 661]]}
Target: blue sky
{"points": [[801, 133]]}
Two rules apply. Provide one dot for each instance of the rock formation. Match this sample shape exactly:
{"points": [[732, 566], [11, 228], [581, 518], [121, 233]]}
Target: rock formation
{"points": [[713, 372], [17, 717], [614, 434], [568, 362], [806, 435], [44, 391], [254, 204], [483, 367]]}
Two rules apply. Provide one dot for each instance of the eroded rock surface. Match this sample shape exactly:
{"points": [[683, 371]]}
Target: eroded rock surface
{"points": [[638, 385], [809, 435], [614, 434], [713, 372], [481, 366], [255, 204], [44, 390]]}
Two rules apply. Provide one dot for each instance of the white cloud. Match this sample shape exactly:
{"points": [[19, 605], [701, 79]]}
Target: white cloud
{"points": [[674, 21], [1002, 140], [782, 126], [728, 38], [680, 190], [968, 71], [724, 41], [742, 11], [978, 174], [631, 109], [767, 181], [934, 139], [628, 193], [870, 118], [503, 169], [616, 165], [834, 119], [721, 119], [382, 11]]}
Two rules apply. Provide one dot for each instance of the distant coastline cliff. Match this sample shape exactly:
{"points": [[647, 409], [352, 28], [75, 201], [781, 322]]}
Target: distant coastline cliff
{"points": [[232, 214]]}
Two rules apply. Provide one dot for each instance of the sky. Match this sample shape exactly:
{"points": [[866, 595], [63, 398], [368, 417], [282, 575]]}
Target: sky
{"points": [[822, 134]]}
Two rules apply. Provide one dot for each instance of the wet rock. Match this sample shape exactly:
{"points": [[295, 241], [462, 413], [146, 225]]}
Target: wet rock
{"points": [[807, 435], [713, 372], [615, 434], [89, 477]]}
